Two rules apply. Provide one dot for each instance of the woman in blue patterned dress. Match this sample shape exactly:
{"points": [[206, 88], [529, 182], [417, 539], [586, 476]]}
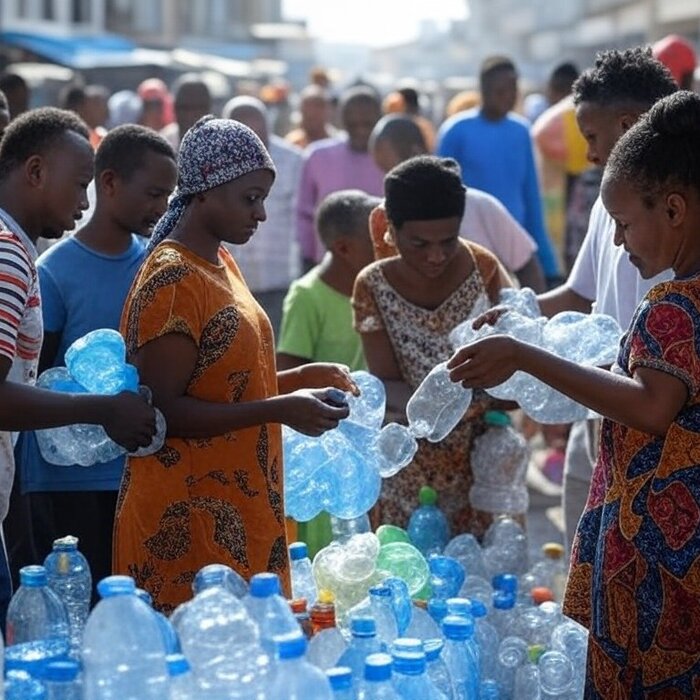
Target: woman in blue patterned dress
{"points": [[635, 572]]}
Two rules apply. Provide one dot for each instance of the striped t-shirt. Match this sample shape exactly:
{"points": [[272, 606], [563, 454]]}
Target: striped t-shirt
{"points": [[21, 332]]}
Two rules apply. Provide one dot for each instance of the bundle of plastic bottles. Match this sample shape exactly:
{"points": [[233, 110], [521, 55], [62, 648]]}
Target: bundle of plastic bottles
{"points": [[472, 636], [96, 364], [587, 339]]}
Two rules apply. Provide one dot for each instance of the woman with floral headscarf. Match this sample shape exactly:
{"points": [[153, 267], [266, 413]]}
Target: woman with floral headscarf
{"points": [[205, 347]]}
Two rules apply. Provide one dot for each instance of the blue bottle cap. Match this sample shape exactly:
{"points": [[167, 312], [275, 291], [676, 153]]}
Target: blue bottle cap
{"points": [[340, 677], [291, 645], [437, 609], [409, 663], [433, 649], [177, 665], [406, 644], [459, 606], [363, 626], [478, 609], [505, 582], [60, 671], [298, 550], [380, 591], [145, 596], [264, 585], [116, 585], [33, 576], [66, 544], [378, 667], [458, 627], [503, 600]]}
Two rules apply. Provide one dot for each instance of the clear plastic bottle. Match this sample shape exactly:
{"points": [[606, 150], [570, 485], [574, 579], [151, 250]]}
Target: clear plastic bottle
{"points": [[37, 623], [487, 641], [502, 612], [437, 669], [303, 582], [295, 678], [183, 685], [62, 680], [19, 685], [378, 685], [269, 609], [123, 651], [69, 577], [499, 462], [410, 680], [170, 639], [343, 529], [427, 526], [512, 653], [460, 657], [220, 575], [527, 677], [340, 678], [222, 644], [327, 644], [363, 642], [550, 571], [383, 614]]}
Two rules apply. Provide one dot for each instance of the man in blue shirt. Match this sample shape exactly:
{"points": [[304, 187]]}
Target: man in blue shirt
{"points": [[494, 149], [84, 280]]}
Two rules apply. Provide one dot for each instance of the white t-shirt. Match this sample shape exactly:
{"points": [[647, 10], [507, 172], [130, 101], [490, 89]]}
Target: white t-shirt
{"points": [[604, 274], [487, 222]]}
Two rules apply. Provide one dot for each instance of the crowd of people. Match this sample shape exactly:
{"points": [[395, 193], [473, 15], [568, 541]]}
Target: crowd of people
{"points": [[251, 271]]}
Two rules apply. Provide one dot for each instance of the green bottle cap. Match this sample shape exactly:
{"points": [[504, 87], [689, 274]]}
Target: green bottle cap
{"points": [[427, 496], [497, 418], [534, 652]]}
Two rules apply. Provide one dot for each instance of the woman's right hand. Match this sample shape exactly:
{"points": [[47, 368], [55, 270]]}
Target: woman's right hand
{"points": [[490, 317], [314, 411], [129, 420]]}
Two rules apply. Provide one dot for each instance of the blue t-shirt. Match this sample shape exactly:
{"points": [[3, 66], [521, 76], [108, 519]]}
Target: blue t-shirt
{"points": [[81, 290], [497, 157]]}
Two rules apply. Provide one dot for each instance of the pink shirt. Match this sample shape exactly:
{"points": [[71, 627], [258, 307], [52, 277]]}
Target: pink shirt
{"points": [[329, 166]]}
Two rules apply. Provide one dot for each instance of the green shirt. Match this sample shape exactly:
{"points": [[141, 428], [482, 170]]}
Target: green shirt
{"points": [[317, 324]]}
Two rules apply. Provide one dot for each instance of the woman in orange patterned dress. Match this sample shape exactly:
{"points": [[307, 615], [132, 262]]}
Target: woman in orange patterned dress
{"points": [[214, 492]]}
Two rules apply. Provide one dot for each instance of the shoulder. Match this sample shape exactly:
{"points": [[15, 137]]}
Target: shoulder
{"points": [[58, 254], [12, 246], [518, 122], [168, 264], [370, 273], [459, 121], [483, 257]]}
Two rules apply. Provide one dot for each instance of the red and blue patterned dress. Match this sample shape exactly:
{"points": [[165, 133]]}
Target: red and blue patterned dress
{"points": [[635, 571]]}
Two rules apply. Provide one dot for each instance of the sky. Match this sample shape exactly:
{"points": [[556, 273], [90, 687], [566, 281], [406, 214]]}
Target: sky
{"points": [[371, 22]]}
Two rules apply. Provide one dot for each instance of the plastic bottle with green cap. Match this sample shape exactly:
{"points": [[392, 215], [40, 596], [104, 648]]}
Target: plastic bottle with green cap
{"points": [[427, 526], [499, 460]]}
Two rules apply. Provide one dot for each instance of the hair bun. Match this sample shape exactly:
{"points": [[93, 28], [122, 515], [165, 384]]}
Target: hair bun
{"points": [[676, 115]]}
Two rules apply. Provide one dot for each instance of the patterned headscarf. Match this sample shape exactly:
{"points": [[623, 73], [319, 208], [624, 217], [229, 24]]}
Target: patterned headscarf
{"points": [[212, 152]]}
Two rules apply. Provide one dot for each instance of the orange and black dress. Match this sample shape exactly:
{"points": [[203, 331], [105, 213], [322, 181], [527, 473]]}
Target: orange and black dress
{"points": [[208, 500]]}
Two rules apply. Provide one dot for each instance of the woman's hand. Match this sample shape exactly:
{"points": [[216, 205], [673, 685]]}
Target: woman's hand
{"points": [[485, 363], [317, 375], [490, 317], [313, 411]]}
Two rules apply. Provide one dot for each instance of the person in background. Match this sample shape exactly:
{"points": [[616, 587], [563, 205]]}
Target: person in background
{"points": [[405, 308], [125, 107], [16, 92], [461, 102], [314, 118], [493, 147], [486, 221], [192, 100], [4, 113], [679, 56], [84, 280], [46, 162], [633, 577], [205, 347], [338, 164], [90, 103], [317, 320], [405, 100], [270, 261], [158, 109]]}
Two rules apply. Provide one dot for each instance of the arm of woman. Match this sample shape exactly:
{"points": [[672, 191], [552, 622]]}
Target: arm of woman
{"points": [[316, 375], [166, 364], [648, 401]]}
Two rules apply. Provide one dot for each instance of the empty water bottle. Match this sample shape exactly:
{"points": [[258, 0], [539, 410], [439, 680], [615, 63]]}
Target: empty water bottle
{"points": [[19, 685], [62, 680], [340, 679], [427, 526], [410, 679], [220, 575], [422, 626], [460, 656], [327, 644], [69, 577], [487, 641], [437, 405], [269, 609], [377, 685], [183, 685], [437, 669], [383, 614], [37, 624], [551, 571], [363, 642], [303, 582], [295, 678], [170, 639], [123, 652]]}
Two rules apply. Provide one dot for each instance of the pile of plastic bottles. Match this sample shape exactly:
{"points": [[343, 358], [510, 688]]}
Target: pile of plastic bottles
{"points": [[96, 364], [478, 622]]}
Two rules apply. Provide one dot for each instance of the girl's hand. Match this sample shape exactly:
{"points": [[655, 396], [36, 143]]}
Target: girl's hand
{"points": [[485, 363], [489, 317], [316, 375], [314, 411]]}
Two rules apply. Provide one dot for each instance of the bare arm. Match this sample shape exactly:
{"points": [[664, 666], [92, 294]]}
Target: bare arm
{"points": [[531, 275], [648, 401], [285, 361], [167, 364], [563, 298]]}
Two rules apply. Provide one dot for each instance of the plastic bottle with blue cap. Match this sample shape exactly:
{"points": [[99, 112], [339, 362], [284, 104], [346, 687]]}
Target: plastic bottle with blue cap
{"points": [[363, 642], [296, 678], [487, 640], [436, 667], [410, 679], [382, 612], [19, 685], [377, 676], [303, 582], [340, 678], [171, 641], [502, 612], [460, 656], [62, 680], [183, 685]]}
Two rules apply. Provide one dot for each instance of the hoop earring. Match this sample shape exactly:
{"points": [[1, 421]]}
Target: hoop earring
{"points": [[388, 237]]}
